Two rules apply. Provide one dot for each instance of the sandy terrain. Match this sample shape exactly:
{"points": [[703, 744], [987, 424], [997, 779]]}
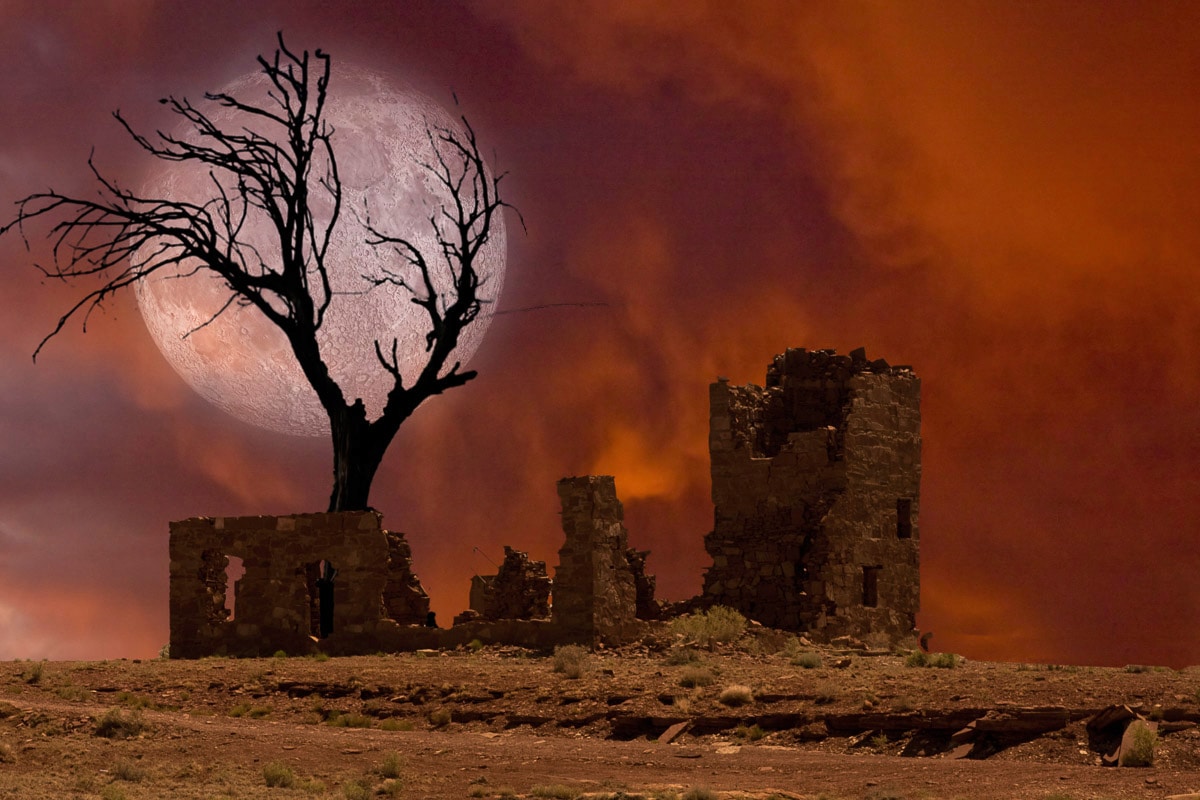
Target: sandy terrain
{"points": [[502, 722]]}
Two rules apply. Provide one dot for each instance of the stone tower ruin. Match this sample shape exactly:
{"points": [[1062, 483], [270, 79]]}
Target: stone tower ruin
{"points": [[816, 483]]}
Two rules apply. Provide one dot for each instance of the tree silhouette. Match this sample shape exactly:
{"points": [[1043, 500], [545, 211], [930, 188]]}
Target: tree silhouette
{"points": [[120, 238]]}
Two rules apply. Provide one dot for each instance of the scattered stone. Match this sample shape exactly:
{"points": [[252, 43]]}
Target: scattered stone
{"points": [[673, 732]]}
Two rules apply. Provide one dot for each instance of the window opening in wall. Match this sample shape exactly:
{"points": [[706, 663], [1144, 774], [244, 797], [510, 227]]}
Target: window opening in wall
{"points": [[234, 571], [319, 576], [871, 586], [904, 518]]}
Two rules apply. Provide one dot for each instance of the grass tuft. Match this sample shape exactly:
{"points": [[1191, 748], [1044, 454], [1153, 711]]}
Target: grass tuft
{"points": [[717, 625], [691, 677], [571, 660], [807, 660], [1142, 740], [392, 765], [736, 695], [279, 776], [559, 791], [128, 771], [116, 725]]}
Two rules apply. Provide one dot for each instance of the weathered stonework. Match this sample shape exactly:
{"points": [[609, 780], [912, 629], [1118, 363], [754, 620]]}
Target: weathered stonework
{"points": [[648, 608], [519, 590], [595, 596], [404, 598], [279, 599], [816, 483]]}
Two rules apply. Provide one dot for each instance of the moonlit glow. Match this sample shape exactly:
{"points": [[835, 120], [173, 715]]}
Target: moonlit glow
{"points": [[241, 362]]}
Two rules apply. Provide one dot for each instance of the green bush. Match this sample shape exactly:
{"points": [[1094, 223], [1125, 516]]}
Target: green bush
{"points": [[279, 776], [717, 625], [571, 660], [1142, 738]]}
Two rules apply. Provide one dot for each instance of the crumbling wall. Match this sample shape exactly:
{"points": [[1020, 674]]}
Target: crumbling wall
{"points": [[278, 600], [404, 598], [815, 483], [595, 595], [648, 608], [519, 590]]}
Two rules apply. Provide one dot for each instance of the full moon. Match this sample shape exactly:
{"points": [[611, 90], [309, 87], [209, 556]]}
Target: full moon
{"points": [[243, 363]]}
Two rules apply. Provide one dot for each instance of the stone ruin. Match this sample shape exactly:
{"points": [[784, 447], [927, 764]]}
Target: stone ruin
{"points": [[520, 589], [815, 483]]}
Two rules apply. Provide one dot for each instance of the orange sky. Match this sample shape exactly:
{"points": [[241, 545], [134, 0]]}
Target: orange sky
{"points": [[1004, 196]]}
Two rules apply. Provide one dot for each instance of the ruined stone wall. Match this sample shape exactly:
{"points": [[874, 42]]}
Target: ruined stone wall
{"points": [[404, 598], [519, 590], [277, 602], [816, 481], [595, 596]]}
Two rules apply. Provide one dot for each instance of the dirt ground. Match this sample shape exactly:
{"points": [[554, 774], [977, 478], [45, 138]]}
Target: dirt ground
{"points": [[502, 722]]}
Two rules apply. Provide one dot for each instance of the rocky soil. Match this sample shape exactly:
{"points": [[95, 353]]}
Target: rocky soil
{"points": [[644, 722]]}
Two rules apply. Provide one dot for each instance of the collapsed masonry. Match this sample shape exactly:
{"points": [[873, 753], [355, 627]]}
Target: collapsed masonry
{"points": [[341, 584], [520, 589], [815, 483]]}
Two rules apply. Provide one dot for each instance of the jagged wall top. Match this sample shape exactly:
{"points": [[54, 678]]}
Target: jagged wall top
{"points": [[799, 363]]}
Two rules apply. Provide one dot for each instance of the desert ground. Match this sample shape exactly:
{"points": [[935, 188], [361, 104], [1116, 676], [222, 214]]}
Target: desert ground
{"points": [[658, 720]]}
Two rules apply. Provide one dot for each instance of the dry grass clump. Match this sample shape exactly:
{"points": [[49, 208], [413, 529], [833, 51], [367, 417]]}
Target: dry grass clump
{"points": [[559, 791], [33, 673], [351, 720], [279, 775], [691, 677], [392, 765], [125, 770], [682, 655], [939, 660], [247, 710], [571, 660], [116, 725], [717, 625], [736, 695], [807, 660]]}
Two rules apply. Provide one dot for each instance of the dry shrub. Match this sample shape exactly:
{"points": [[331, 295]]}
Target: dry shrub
{"points": [[717, 625], [115, 725], [692, 677], [279, 776], [571, 660], [736, 695]]}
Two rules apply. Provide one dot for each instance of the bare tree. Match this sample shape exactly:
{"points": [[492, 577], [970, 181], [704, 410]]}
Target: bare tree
{"points": [[120, 238]]}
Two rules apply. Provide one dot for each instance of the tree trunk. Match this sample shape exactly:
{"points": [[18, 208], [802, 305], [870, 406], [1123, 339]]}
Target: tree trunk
{"points": [[357, 452]]}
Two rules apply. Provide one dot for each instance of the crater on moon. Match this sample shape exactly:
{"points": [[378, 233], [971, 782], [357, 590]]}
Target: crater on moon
{"points": [[241, 362]]}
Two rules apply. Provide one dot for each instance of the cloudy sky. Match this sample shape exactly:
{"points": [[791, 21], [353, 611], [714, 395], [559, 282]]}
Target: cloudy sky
{"points": [[1005, 196]]}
